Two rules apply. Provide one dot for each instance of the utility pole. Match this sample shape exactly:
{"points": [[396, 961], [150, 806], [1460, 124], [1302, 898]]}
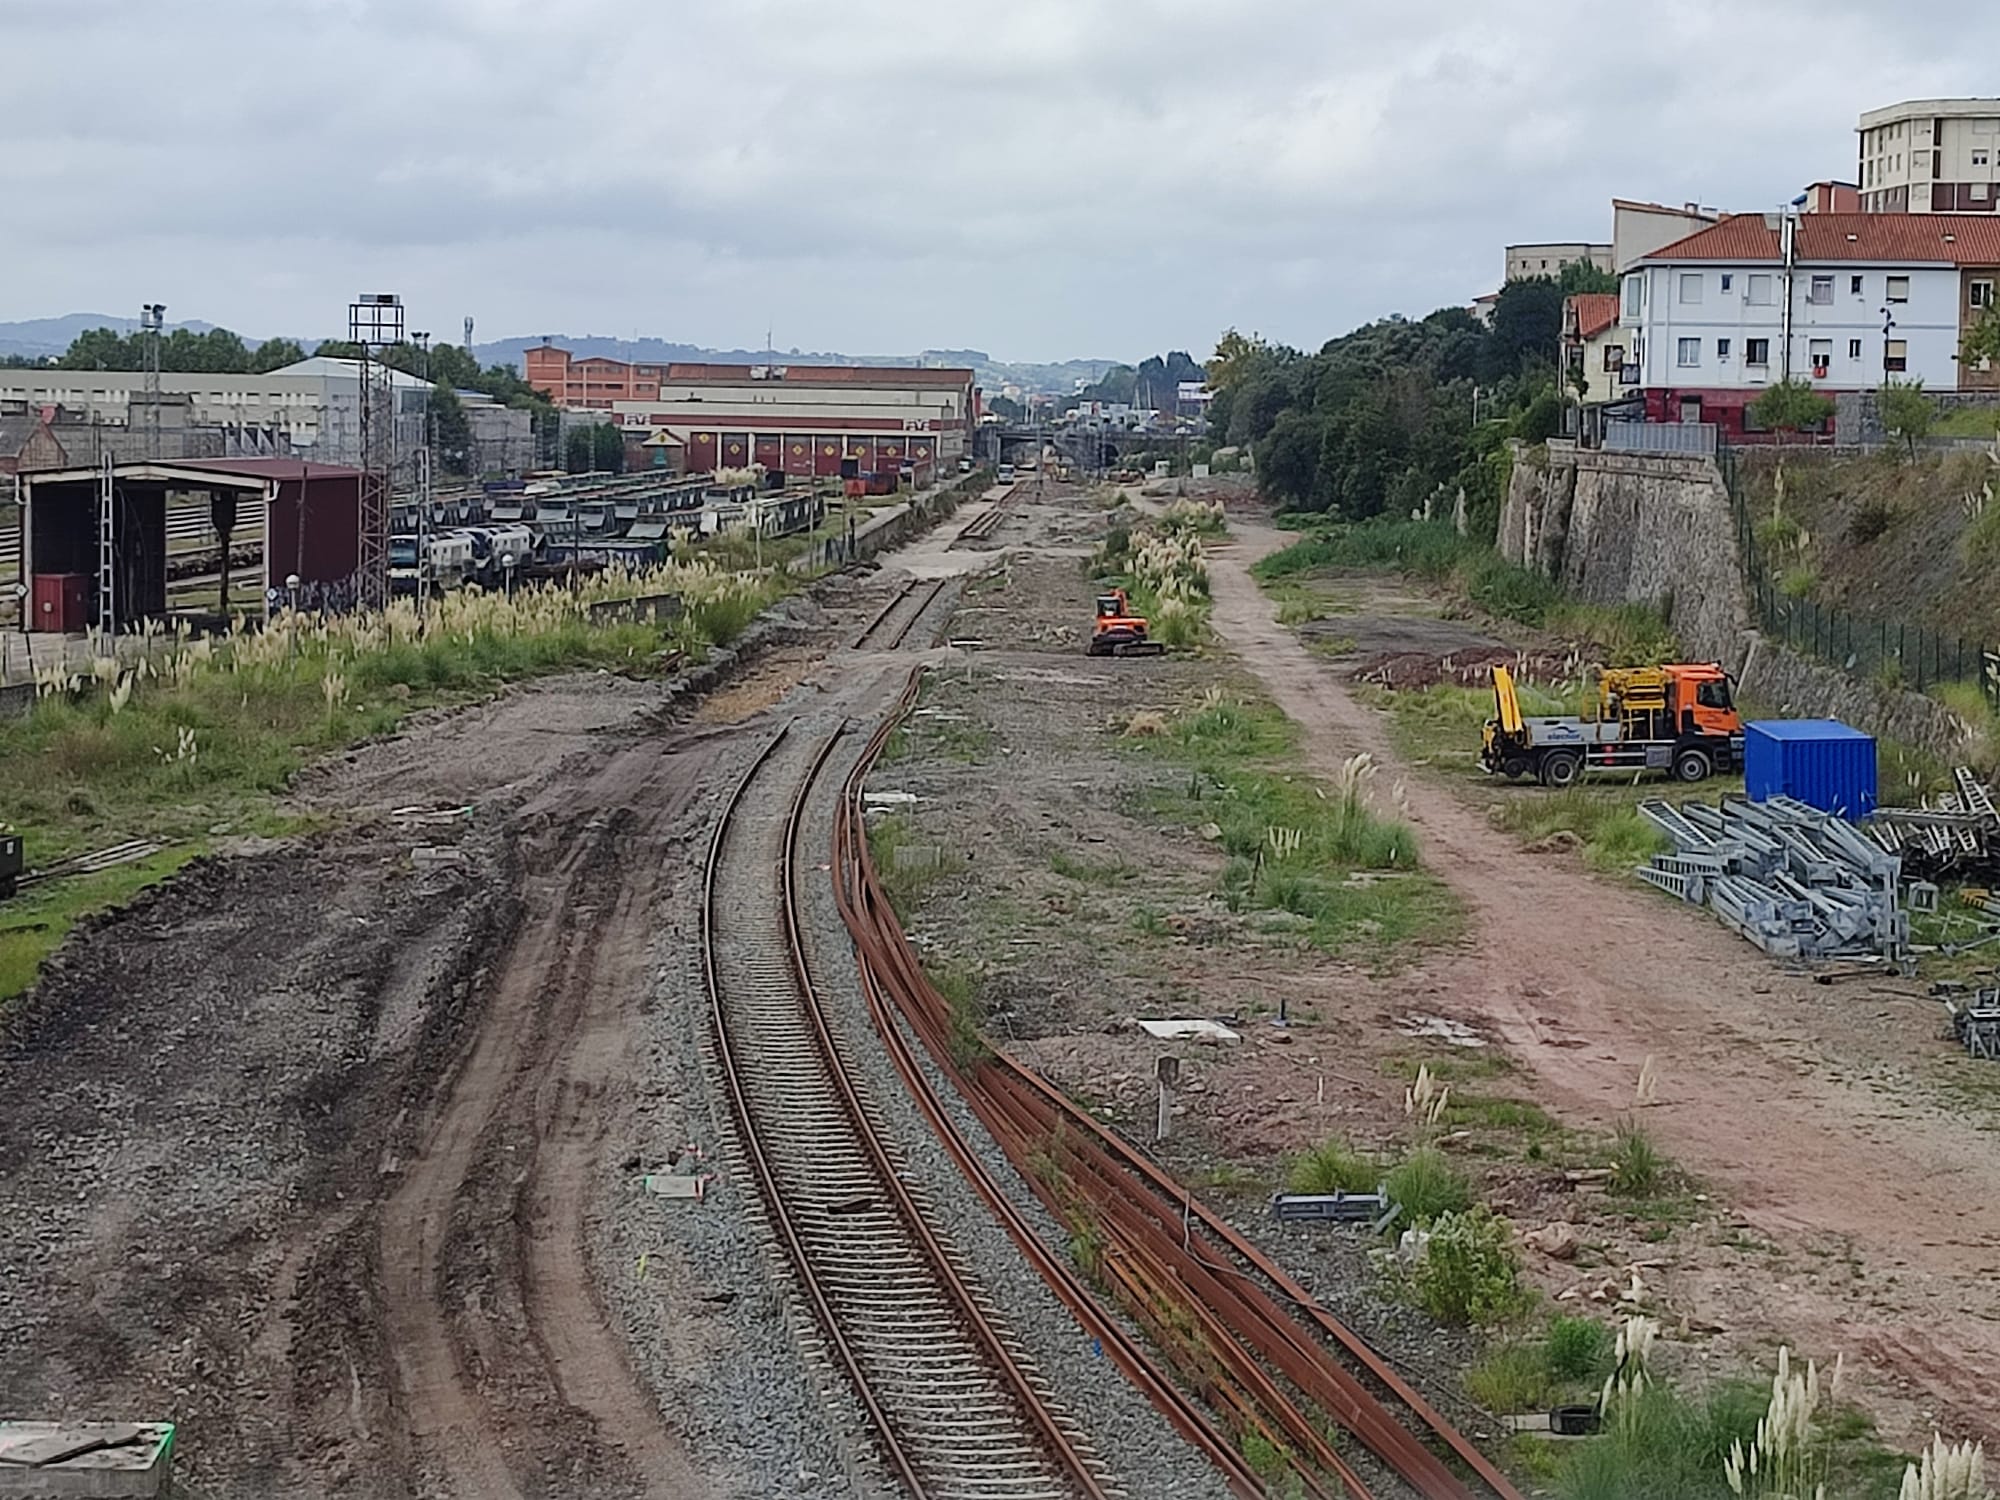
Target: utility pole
{"points": [[152, 321], [426, 464]]}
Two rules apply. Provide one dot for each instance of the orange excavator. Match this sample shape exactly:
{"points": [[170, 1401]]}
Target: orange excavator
{"points": [[1119, 632]]}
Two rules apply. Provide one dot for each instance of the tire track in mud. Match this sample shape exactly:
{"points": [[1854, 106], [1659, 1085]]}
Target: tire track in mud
{"points": [[511, 1379]]}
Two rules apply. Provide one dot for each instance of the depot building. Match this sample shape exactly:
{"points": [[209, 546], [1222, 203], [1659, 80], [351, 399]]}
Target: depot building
{"points": [[798, 420]]}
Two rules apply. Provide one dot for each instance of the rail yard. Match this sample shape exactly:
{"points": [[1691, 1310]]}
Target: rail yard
{"points": [[730, 1087]]}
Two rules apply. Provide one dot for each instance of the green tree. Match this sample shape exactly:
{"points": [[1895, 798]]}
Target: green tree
{"points": [[451, 430], [1527, 326], [1288, 460], [607, 448], [1791, 406], [1907, 412], [1582, 276], [275, 354]]}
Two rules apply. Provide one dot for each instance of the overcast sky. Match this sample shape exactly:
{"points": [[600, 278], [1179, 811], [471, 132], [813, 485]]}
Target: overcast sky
{"points": [[1039, 179]]}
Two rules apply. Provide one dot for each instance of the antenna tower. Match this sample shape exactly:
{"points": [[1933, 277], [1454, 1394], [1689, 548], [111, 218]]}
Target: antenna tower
{"points": [[375, 323]]}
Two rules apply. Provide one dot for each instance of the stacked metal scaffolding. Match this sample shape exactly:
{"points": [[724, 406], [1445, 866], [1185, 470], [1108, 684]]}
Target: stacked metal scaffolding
{"points": [[375, 323], [1797, 882]]}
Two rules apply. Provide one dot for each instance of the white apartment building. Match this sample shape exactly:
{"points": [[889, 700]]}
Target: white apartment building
{"points": [[1930, 156], [1839, 300]]}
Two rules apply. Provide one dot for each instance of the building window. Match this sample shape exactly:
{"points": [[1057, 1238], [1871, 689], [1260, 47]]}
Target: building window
{"points": [[1821, 294], [1854, 348], [1760, 289], [1635, 296], [1895, 355], [1691, 287], [1899, 289], [1722, 348], [1756, 351], [1690, 354], [1727, 281], [1854, 285]]}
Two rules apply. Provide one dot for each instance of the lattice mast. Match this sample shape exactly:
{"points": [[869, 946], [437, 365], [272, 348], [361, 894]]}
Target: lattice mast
{"points": [[375, 324]]}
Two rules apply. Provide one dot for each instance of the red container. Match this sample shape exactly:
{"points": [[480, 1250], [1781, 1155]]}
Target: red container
{"points": [[61, 603]]}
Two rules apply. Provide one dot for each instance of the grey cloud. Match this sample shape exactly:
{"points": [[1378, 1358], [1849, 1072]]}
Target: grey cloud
{"points": [[1048, 177]]}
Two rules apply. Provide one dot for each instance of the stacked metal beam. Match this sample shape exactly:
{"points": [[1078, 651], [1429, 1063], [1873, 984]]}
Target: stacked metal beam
{"points": [[1797, 882]]}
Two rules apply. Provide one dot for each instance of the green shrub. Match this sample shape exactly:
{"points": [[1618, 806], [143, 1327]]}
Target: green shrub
{"points": [[1468, 1272], [1578, 1350], [1638, 1169], [1512, 1378], [1873, 521], [1427, 1186], [1333, 1166]]}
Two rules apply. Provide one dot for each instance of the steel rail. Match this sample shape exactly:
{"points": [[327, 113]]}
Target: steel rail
{"points": [[753, 1144], [1123, 1350], [861, 640], [1026, 1104], [987, 1353], [984, 1333]]}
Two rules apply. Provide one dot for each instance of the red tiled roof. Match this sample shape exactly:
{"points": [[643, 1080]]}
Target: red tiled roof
{"points": [[1894, 239], [1595, 312]]}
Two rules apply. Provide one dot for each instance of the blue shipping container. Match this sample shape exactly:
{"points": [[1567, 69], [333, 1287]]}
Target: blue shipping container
{"points": [[1822, 762]]}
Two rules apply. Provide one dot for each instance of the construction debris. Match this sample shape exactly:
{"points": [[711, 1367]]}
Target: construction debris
{"points": [[1976, 1023], [1797, 882], [1955, 836]]}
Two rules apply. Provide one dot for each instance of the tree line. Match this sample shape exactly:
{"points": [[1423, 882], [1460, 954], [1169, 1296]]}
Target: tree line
{"points": [[1400, 415]]}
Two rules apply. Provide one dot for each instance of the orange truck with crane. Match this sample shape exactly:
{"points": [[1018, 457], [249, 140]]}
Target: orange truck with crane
{"points": [[1679, 719]]}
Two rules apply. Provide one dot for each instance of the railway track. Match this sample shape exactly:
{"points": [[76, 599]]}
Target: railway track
{"points": [[955, 1411], [1270, 1362], [980, 527], [894, 621]]}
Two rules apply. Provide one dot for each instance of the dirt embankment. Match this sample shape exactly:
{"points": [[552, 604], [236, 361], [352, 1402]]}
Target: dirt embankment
{"points": [[1858, 1198]]}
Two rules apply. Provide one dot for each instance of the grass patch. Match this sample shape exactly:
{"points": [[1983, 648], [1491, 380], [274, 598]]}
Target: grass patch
{"points": [[1638, 1167], [1333, 1166], [36, 921], [906, 875], [1630, 634], [1091, 872], [1323, 856], [1427, 1186]]}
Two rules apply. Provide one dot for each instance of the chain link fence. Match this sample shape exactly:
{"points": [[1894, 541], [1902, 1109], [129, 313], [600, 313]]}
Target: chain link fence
{"points": [[1895, 653]]}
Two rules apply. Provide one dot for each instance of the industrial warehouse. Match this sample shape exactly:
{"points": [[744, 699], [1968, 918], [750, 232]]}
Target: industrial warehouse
{"points": [[802, 421]]}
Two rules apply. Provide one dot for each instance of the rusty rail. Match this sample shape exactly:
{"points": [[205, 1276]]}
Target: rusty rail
{"points": [[1231, 1320]]}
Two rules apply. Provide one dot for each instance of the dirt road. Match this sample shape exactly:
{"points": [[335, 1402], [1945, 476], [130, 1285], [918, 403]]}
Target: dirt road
{"points": [[1890, 1201], [306, 1149]]}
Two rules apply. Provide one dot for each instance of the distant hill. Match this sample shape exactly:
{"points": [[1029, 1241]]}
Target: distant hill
{"points": [[45, 338], [990, 373]]}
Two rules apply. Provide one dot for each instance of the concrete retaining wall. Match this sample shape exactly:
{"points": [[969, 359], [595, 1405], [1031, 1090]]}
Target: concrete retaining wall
{"points": [[1627, 528]]}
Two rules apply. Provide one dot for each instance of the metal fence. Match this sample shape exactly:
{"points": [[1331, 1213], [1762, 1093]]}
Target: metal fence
{"points": [[1894, 653], [1694, 439]]}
